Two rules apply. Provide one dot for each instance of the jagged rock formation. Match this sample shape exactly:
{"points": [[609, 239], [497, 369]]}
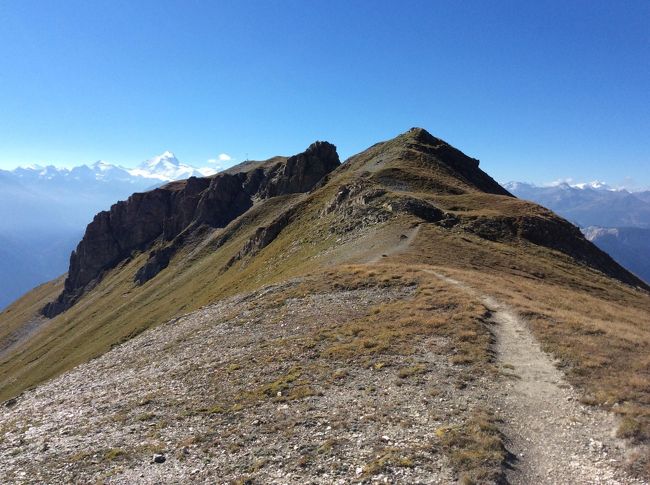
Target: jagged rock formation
{"points": [[167, 212]]}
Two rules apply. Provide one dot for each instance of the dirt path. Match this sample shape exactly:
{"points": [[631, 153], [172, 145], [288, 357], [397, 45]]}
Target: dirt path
{"points": [[553, 437]]}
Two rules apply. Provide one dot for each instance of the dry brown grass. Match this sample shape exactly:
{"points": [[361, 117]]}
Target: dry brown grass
{"points": [[600, 335], [328, 354], [475, 449], [435, 309], [598, 328], [389, 457]]}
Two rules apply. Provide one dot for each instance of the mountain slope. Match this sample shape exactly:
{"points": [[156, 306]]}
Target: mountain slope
{"points": [[338, 291]]}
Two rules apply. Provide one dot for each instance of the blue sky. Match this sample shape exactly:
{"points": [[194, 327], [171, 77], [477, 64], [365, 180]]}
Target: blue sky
{"points": [[536, 90]]}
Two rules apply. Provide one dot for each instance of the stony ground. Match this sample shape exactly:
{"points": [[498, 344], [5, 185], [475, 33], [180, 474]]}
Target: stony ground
{"points": [[215, 393], [277, 387]]}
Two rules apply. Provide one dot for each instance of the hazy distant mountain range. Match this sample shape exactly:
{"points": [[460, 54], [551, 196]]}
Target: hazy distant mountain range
{"points": [[593, 204], [630, 246], [44, 211], [164, 167], [616, 220]]}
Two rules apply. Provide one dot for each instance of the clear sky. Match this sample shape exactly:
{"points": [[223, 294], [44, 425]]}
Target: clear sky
{"points": [[536, 90]]}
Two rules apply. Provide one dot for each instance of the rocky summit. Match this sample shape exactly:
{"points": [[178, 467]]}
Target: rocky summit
{"points": [[396, 318]]}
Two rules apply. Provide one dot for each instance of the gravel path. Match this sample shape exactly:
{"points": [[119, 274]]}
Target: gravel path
{"points": [[553, 437]]}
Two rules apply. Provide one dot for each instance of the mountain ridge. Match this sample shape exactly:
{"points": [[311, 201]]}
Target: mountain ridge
{"points": [[168, 211], [586, 205], [165, 213], [382, 282]]}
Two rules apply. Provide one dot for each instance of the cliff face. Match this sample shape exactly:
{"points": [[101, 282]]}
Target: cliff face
{"points": [[173, 210]]}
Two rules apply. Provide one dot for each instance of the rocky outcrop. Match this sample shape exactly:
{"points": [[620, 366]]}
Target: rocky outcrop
{"points": [[419, 208], [299, 173], [553, 232], [158, 260], [265, 235], [167, 213]]}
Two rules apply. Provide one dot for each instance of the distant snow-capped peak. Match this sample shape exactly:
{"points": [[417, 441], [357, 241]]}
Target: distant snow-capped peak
{"points": [[593, 232], [103, 166], [166, 167], [165, 159], [162, 168], [594, 185], [564, 184], [516, 185], [32, 166]]}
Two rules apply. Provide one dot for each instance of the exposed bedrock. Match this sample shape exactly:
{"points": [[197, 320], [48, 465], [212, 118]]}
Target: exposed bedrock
{"points": [[165, 213]]}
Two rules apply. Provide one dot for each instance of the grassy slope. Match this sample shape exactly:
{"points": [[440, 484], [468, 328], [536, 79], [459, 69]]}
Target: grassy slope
{"points": [[597, 338], [23, 309], [598, 328], [117, 309]]}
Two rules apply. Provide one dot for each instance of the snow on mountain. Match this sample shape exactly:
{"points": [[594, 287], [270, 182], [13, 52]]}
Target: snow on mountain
{"points": [[166, 167], [564, 184], [595, 185], [589, 204], [44, 209]]}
